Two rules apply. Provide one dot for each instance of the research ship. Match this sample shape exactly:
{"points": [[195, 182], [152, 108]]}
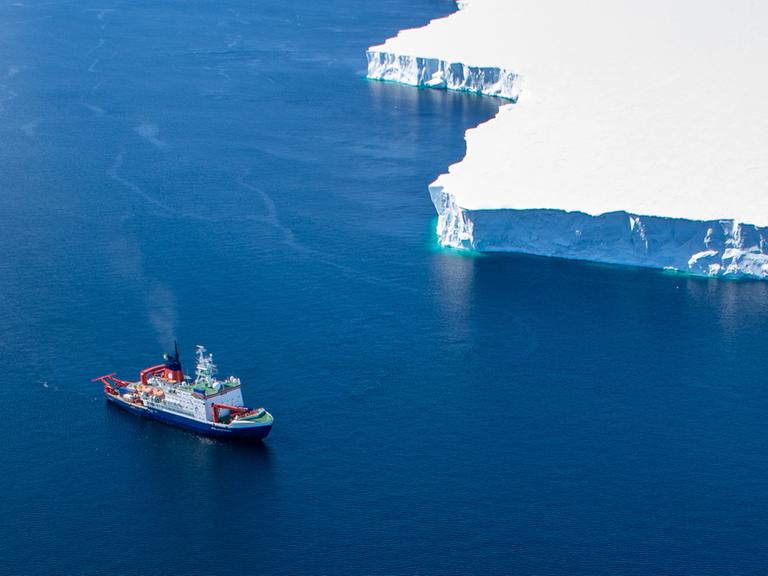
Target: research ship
{"points": [[204, 405]]}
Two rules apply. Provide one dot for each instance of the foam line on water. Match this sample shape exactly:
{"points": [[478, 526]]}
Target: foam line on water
{"points": [[112, 172], [272, 216], [96, 111], [98, 45], [13, 70], [289, 238], [164, 209], [101, 15], [150, 133], [6, 95]]}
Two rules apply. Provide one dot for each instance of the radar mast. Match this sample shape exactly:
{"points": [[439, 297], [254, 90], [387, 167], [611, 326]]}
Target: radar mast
{"points": [[205, 371]]}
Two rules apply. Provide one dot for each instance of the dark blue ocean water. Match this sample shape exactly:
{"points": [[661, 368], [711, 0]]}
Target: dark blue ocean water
{"points": [[221, 172]]}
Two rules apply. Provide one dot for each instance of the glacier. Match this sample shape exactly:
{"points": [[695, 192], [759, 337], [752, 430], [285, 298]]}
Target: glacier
{"points": [[629, 133]]}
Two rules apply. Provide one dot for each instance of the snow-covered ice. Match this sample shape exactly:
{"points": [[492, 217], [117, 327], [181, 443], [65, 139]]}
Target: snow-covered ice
{"points": [[639, 132]]}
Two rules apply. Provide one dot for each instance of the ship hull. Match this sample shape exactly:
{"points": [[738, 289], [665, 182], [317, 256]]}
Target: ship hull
{"points": [[204, 428]]}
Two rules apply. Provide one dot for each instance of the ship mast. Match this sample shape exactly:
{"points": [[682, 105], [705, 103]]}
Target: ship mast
{"points": [[205, 371]]}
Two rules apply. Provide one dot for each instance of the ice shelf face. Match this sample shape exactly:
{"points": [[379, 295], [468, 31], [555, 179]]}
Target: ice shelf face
{"points": [[638, 134], [436, 73]]}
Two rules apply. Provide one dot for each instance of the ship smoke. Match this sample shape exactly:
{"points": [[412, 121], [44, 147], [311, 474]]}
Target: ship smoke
{"points": [[162, 313], [159, 301]]}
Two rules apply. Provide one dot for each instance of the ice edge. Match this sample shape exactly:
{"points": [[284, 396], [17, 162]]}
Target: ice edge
{"points": [[436, 73], [722, 247], [712, 248]]}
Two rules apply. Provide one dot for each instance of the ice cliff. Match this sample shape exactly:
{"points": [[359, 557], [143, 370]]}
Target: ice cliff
{"points": [[636, 133]]}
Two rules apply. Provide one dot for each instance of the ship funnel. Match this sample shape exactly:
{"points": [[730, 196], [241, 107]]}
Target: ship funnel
{"points": [[173, 368]]}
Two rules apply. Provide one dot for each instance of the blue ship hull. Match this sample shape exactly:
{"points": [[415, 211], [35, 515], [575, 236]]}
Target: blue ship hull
{"points": [[206, 429]]}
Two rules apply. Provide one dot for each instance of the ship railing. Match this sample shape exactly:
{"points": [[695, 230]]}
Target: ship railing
{"points": [[111, 382]]}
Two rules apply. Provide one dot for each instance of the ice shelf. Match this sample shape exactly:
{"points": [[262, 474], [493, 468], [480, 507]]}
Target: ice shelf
{"points": [[636, 133]]}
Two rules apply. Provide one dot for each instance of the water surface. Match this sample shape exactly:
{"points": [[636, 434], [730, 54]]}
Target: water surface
{"points": [[221, 172]]}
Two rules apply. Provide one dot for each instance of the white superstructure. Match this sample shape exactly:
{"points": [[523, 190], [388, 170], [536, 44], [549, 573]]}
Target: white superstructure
{"points": [[194, 398]]}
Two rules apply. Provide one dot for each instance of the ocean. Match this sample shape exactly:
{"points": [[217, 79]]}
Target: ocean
{"points": [[221, 173]]}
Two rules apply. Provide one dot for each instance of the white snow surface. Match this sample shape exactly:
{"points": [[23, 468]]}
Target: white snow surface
{"points": [[656, 108]]}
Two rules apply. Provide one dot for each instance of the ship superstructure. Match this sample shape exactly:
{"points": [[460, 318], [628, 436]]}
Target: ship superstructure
{"points": [[204, 404]]}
